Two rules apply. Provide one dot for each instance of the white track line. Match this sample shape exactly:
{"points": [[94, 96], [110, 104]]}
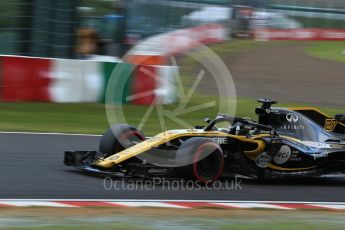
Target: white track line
{"points": [[57, 134], [253, 205], [330, 206], [185, 204], [148, 204], [170, 200], [36, 203]]}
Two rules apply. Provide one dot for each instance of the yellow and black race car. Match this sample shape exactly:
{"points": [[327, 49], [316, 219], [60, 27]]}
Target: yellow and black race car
{"points": [[284, 142]]}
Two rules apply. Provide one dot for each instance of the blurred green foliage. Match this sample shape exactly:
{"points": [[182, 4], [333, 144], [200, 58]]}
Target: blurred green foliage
{"points": [[320, 22], [9, 12]]}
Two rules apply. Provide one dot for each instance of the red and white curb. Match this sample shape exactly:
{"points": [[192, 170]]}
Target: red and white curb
{"points": [[178, 204]]}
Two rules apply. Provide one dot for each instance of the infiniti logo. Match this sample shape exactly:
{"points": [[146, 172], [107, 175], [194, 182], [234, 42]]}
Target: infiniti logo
{"points": [[291, 117]]}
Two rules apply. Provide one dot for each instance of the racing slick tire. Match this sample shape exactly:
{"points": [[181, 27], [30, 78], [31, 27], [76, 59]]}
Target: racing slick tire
{"points": [[118, 138], [207, 160]]}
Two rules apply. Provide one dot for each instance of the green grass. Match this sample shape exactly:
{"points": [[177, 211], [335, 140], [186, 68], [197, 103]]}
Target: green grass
{"points": [[205, 223], [91, 118], [72, 118], [243, 226], [334, 51], [283, 226], [86, 227]]}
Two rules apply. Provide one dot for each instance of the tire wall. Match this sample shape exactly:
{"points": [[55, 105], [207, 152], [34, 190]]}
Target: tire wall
{"points": [[33, 79]]}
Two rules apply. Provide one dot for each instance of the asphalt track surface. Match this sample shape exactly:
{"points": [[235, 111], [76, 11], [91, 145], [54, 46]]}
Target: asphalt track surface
{"points": [[31, 168]]}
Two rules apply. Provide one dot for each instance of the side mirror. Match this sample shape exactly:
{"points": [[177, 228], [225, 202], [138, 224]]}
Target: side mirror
{"points": [[207, 120], [340, 118]]}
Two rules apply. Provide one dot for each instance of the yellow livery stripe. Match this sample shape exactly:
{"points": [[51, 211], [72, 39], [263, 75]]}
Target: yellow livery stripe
{"points": [[152, 143]]}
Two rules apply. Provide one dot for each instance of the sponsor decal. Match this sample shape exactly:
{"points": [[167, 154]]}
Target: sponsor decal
{"points": [[173, 132], [292, 118], [276, 141], [265, 132], [320, 155], [292, 127], [330, 124], [155, 139], [113, 158], [294, 156], [219, 140], [317, 144], [283, 155], [296, 159], [263, 160]]}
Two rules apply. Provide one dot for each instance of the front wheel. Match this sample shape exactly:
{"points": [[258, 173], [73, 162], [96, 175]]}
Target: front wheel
{"points": [[118, 138]]}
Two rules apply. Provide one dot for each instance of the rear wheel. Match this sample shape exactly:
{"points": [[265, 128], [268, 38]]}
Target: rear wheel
{"points": [[118, 138], [206, 160]]}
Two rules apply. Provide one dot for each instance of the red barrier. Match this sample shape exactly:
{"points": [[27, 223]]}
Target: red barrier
{"points": [[25, 79], [300, 35], [144, 85]]}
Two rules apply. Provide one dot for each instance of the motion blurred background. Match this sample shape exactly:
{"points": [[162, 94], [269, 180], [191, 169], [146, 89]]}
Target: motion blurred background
{"points": [[60, 28], [54, 53]]}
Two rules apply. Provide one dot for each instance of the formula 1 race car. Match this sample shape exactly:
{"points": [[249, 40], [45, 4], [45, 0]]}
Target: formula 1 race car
{"points": [[284, 142]]}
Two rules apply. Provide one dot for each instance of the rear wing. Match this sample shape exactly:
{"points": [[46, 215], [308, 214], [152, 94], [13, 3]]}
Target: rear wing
{"points": [[327, 122]]}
